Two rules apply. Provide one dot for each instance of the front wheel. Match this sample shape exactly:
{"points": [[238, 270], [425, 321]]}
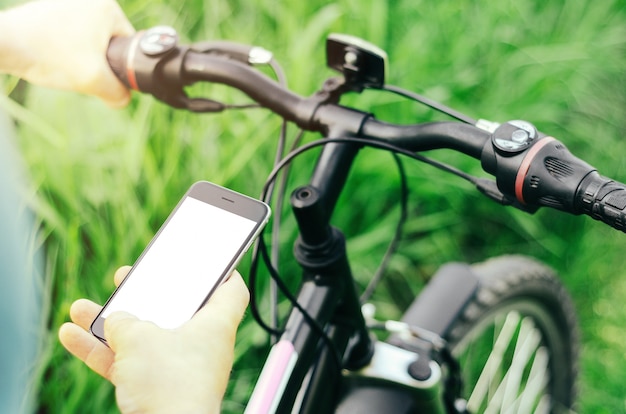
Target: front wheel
{"points": [[516, 341]]}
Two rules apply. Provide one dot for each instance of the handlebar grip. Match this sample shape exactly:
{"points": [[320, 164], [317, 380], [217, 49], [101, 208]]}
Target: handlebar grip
{"points": [[533, 170], [603, 199], [139, 61], [152, 62], [117, 57]]}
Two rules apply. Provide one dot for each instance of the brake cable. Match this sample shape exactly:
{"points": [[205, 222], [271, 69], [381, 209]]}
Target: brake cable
{"points": [[430, 103]]}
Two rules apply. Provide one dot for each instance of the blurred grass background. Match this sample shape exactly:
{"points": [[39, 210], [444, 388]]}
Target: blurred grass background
{"points": [[104, 180]]}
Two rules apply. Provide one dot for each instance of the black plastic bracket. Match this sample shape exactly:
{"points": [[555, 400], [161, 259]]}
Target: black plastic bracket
{"points": [[362, 63], [441, 301]]}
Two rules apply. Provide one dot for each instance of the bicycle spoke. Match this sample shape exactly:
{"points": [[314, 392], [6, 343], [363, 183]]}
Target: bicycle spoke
{"points": [[504, 388], [528, 340], [494, 361], [544, 405], [537, 381]]}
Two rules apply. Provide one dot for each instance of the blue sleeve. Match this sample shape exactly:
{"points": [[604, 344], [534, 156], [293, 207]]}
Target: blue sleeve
{"points": [[21, 325]]}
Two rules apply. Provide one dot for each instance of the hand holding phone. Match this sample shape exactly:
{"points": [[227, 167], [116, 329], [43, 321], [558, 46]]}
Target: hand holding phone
{"points": [[142, 352], [199, 245]]}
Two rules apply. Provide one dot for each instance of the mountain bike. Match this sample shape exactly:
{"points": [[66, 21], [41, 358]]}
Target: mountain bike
{"points": [[497, 336]]}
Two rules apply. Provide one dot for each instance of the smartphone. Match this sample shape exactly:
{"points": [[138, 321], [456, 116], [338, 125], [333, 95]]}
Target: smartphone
{"points": [[197, 248]]}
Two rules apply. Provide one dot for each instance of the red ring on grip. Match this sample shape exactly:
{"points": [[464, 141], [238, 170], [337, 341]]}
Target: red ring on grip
{"points": [[525, 166], [130, 61]]}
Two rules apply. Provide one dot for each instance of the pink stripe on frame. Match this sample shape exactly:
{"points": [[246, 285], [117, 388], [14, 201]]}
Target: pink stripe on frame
{"points": [[273, 380]]}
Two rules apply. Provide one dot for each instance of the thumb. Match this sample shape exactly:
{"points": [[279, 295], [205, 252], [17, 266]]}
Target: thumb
{"points": [[115, 325], [227, 304]]}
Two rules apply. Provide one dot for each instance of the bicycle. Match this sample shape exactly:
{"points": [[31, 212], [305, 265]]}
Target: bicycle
{"points": [[498, 336]]}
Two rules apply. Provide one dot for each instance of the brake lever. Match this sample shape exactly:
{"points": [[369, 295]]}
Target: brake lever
{"points": [[250, 55]]}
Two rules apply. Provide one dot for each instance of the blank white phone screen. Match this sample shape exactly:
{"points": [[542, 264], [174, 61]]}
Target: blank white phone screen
{"points": [[182, 265]]}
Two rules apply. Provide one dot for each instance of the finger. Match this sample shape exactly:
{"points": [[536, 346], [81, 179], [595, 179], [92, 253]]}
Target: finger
{"points": [[87, 348], [83, 312], [233, 295], [120, 274]]}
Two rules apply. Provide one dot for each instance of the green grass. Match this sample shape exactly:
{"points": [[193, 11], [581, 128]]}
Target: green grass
{"points": [[103, 180]]}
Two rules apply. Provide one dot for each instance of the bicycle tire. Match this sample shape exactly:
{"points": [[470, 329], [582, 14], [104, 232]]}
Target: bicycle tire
{"points": [[517, 340]]}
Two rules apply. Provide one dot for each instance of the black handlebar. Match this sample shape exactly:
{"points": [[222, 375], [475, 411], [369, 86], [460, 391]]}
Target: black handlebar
{"points": [[531, 169]]}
